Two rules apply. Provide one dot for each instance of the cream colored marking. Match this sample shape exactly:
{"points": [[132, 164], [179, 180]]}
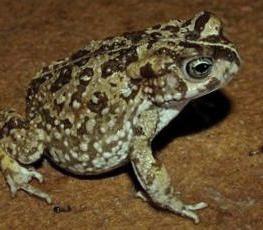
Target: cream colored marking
{"points": [[94, 99], [84, 146], [74, 154], [84, 157], [67, 132], [67, 157], [106, 155], [212, 27], [90, 124], [85, 78], [105, 111], [76, 104], [56, 122], [97, 146], [98, 162], [57, 135], [165, 116]]}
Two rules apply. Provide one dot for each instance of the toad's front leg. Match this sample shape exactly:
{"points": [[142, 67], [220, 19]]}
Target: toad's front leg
{"points": [[157, 184], [20, 145], [18, 177], [153, 176]]}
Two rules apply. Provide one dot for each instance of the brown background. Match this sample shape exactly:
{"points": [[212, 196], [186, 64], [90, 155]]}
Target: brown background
{"points": [[207, 149]]}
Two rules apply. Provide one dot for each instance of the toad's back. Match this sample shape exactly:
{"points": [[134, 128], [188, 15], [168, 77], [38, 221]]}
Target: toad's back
{"points": [[68, 83]]}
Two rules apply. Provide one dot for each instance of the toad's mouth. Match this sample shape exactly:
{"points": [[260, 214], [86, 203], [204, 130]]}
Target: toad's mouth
{"points": [[174, 102]]}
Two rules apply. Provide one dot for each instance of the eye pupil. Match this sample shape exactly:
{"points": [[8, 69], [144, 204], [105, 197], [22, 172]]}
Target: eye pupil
{"points": [[199, 68]]}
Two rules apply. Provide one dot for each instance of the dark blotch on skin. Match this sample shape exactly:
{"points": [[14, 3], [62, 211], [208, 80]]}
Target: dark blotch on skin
{"points": [[138, 131], [212, 39], [14, 122], [63, 79], [155, 35], [126, 56], [192, 35], [110, 67], [79, 54], [187, 23], [67, 124], [135, 36], [201, 21], [35, 85], [199, 26], [85, 72], [147, 71], [151, 43], [119, 63], [100, 105], [199, 48], [156, 27], [81, 57], [226, 54], [82, 130], [172, 29]]}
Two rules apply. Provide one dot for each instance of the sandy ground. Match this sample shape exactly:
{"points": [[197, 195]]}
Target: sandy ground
{"points": [[213, 150]]}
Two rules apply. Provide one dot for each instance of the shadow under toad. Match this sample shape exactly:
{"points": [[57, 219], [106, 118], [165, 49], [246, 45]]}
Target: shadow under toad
{"points": [[198, 115]]}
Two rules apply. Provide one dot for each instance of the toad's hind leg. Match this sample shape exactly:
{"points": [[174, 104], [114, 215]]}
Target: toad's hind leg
{"points": [[20, 143]]}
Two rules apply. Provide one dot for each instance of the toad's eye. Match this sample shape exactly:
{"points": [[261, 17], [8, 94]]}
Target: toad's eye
{"points": [[199, 68]]}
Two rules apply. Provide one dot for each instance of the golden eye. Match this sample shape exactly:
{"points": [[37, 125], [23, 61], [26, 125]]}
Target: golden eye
{"points": [[199, 68]]}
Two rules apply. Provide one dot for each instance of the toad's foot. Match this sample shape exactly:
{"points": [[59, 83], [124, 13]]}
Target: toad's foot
{"points": [[19, 180], [178, 207], [187, 210], [18, 177]]}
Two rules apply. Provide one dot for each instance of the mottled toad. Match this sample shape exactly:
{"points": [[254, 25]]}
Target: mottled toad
{"points": [[102, 106]]}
